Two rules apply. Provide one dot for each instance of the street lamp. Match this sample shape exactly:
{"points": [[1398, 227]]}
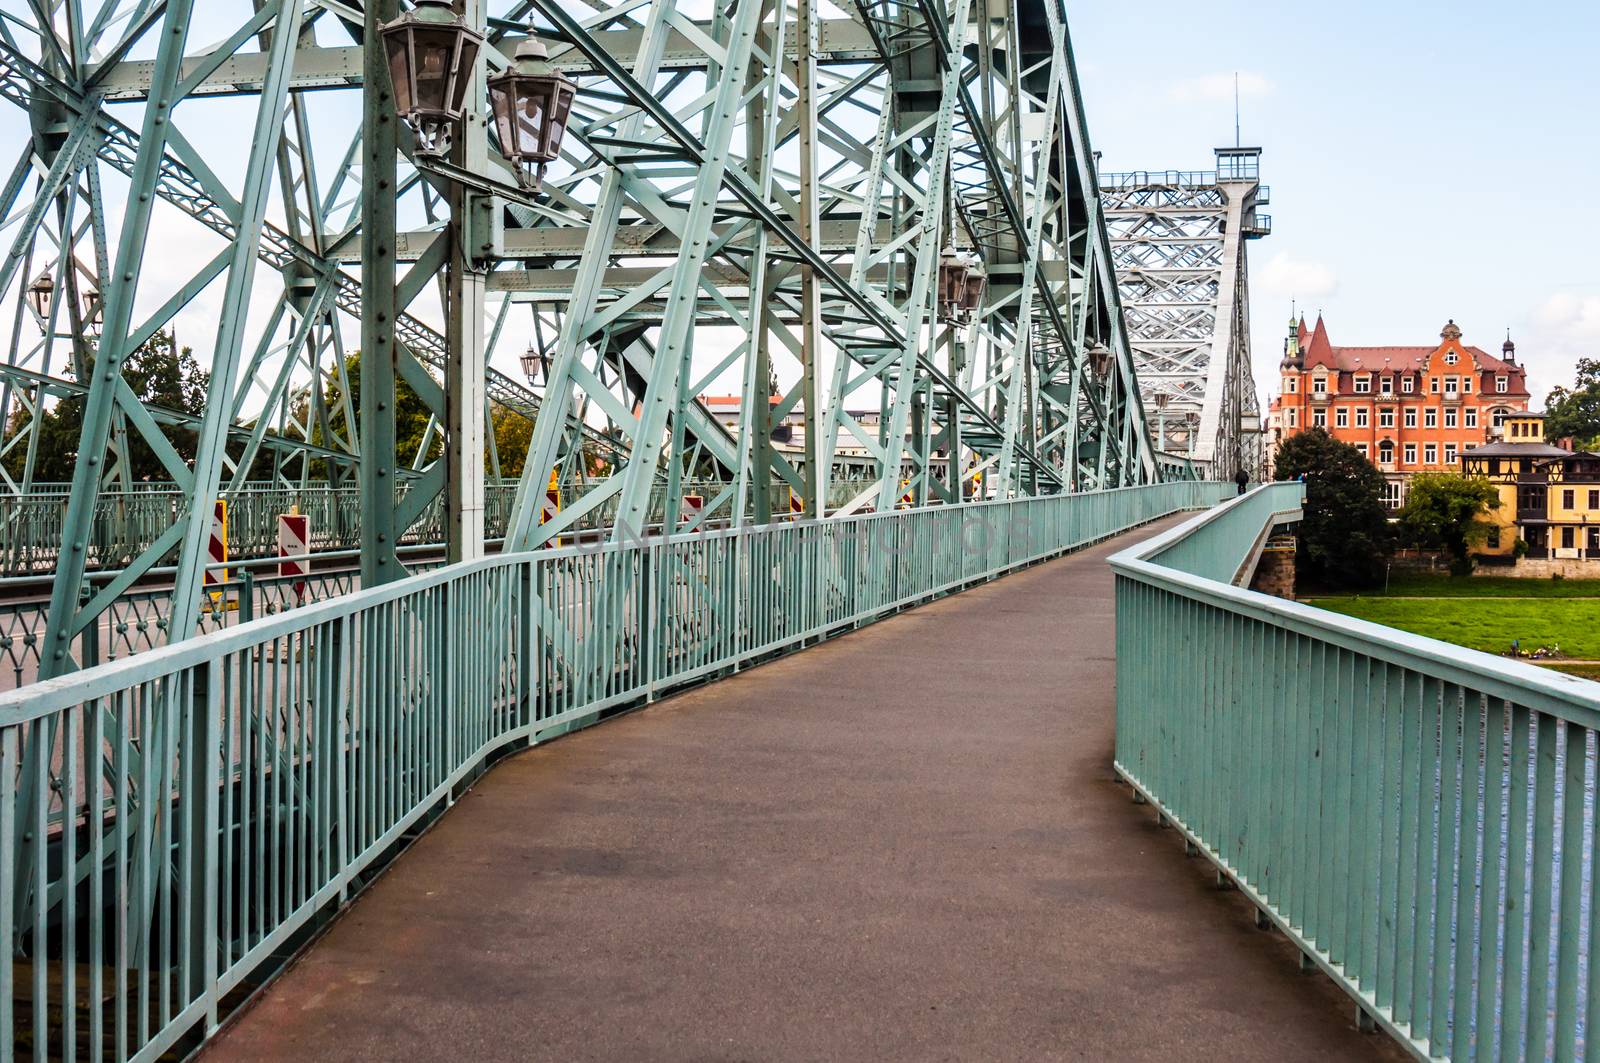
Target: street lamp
{"points": [[531, 361], [1100, 358], [953, 270], [531, 102], [432, 54], [41, 295]]}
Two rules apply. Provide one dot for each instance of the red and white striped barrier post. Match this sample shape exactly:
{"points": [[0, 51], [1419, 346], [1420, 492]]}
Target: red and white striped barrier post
{"points": [[217, 551], [294, 541], [693, 506]]}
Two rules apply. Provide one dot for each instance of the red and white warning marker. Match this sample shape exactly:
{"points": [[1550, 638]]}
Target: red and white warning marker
{"points": [[294, 542], [217, 550]]}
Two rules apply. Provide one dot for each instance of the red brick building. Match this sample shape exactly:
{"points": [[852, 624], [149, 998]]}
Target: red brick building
{"points": [[1408, 409]]}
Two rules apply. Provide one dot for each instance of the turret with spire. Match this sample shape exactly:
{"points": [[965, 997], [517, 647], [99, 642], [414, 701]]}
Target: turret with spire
{"points": [[1291, 346], [1509, 350]]}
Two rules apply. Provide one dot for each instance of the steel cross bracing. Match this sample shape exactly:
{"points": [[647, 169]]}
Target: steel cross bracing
{"points": [[1180, 242], [717, 216]]}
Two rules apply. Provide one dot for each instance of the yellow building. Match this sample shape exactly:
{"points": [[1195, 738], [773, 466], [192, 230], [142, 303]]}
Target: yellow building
{"points": [[1549, 498]]}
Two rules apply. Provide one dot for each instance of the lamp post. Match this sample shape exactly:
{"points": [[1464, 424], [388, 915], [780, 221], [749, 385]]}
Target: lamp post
{"points": [[435, 61]]}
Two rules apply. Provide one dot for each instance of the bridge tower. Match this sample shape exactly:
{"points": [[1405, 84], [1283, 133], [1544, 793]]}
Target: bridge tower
{"points": [[1180, 243]]}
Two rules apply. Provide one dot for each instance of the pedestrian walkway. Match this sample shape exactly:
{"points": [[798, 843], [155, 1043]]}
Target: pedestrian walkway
{"points": [[902, 844]]}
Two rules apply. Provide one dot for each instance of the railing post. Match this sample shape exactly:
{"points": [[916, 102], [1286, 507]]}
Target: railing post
{"points": [[200, 793], [89, 640], [247, 595], [527, 665], [647, 603]]}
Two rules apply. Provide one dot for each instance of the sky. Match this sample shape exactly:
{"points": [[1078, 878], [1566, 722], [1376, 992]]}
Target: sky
{"points": [[1427, 160]]}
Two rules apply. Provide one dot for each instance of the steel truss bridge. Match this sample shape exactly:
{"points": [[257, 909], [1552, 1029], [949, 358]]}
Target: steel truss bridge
{"points": [[756, 197], [701, 228]]}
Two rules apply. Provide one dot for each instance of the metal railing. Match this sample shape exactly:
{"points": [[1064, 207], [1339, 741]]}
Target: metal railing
{"points": [[171, 822], [1417, 817], [137, 620], [125, 523]]}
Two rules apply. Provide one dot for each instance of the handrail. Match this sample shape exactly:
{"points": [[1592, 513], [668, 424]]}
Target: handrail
{"points": [[291, 755], [1390, 802]]}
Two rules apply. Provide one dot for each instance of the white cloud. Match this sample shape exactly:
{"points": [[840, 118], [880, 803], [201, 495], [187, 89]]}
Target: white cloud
{"points": [[1563, 328], [1286, 277], [1574, 317], [1211, 88]]}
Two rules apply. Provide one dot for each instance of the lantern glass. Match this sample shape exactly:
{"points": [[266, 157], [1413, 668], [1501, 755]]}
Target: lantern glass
{"points": [[398, 45], [952, 281], [530, 364], [972, 294], [41, 295]]}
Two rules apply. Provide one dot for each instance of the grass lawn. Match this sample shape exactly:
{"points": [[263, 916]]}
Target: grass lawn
{"points": [[1443, 586], [1484, 622]]}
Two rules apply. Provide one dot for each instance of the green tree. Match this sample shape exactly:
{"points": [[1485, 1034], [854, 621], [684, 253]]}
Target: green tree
{"points": [[1444, 511], [159, 374], [512, 434], [1344, 539], [1575, 412]]}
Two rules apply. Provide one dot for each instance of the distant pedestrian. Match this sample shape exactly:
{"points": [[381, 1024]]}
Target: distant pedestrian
{"points": [[1241, 478]]}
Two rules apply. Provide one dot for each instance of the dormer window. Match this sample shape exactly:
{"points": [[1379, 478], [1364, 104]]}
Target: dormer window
{"points": [[1363, 385], [1501, 385], [1408, 384], [1386, 385]]}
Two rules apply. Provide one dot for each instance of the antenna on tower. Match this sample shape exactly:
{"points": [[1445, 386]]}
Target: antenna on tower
{"points": [[1238, 140]]}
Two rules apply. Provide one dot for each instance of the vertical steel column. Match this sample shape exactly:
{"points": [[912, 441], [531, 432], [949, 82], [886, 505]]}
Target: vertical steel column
{"points": [[806, 38], [379, 305], [471, 222]]}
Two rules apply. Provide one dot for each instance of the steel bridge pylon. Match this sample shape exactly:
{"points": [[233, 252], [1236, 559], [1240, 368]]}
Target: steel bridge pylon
{"points": [[1180, 242]]}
